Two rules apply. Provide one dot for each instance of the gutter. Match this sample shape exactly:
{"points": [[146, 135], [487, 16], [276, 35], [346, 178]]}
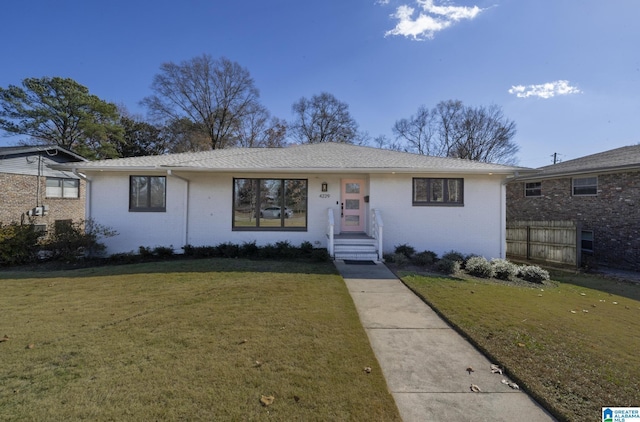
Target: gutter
{"points": [[186, 204]]}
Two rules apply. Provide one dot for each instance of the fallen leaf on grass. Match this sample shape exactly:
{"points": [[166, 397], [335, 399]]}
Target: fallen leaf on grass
{"points": [[242, 341], [495, 369], [573, 312], [5, 338], [296, 398], [30, 346], [266, 400], [367, 369], [521, 344]]}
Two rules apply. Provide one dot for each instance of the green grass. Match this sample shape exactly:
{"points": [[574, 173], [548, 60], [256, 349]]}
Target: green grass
{"points": [[573, 362], [187, 340]]}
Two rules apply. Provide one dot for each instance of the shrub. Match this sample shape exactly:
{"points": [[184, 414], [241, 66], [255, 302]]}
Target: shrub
{"points": [[400, 259], [448, 266], [249, 250], [228, 250], [503, 269], [533, 273], [163, 251], [453, 256], [18, 244], [306, 248], [424, 258], [478, 266], [200, 251], [405, 250], [145, 252], [268, 251], [388, 257], [320, 255], [287, 250], [71, 241]]}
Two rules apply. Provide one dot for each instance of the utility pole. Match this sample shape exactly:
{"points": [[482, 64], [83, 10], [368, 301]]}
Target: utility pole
{"points": [[555, 157]]}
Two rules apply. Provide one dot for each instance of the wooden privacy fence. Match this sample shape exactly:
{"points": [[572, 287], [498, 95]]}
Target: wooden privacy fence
{"points": [[549, 241]]}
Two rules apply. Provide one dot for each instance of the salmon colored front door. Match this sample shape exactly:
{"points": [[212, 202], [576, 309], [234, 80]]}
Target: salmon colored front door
{"points": [[352, 205]]}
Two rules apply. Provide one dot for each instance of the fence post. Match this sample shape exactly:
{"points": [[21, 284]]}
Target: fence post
{"points": [[528, 243], [578, 244]]}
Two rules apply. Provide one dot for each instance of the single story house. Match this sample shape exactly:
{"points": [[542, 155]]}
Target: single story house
{"points": [[33, 192], [600, 192], [358, 202]]}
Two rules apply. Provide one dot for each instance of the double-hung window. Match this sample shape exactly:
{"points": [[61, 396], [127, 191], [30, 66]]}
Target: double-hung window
{"points": [[584, 186], [438, 191], [147, 193], [533, 189], [269, 204], [62, 188]]}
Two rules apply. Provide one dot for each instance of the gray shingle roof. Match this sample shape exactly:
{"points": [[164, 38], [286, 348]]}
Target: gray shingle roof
{"points": [[325, 157], [624, 158]]}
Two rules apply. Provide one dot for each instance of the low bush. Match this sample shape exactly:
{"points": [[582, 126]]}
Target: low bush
{"points": [[453, 256], [533, 273], [71, 241], [249, 250], [478, 266], [18, 244], [406, 250], [448, 266], [424, 258], [400, 259], [503, 269], [320, 255]]}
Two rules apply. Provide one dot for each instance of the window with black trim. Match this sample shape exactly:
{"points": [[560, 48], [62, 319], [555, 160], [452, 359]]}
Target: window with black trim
{"points": [[437, 191], [269, 204], [533, 189], [62, 188], [147, 193], [584, 186]]}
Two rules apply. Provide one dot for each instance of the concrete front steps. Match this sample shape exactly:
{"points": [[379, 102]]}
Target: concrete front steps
{"points": [[354, 247]]}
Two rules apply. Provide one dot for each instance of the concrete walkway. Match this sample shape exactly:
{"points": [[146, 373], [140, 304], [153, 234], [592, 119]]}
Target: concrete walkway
{"points": [[424, 360]]}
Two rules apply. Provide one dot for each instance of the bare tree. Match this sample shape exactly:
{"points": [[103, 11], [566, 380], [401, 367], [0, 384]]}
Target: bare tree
{"points": [[417, 131], [454, 130], [323, 118], [259, 129], [213, 94]]}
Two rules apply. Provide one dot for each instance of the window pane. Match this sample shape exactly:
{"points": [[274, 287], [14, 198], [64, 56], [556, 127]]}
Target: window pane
{"points": [[271, 210], [352, 204], [70, 189], [453, 188], [533, 189], [245, 201], [157, 195], [295, 201], [419, 190], [437, 190], [587, 240], [352, 188], [585, 186], [351, 220], [54, 188], [138, 194]]}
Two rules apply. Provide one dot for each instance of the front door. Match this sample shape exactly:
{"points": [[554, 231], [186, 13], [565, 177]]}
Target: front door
{"points": [[352, 205]]}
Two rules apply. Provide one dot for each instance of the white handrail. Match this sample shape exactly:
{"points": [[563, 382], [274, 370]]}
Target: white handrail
{"points": [[330, 232], [377, 225]]}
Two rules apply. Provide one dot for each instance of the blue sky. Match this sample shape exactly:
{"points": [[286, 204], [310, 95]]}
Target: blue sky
{"points": [[567, 72]]}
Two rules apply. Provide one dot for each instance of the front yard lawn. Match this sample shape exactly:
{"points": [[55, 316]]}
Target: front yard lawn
{"points": [[572, 343], [187, 340]]}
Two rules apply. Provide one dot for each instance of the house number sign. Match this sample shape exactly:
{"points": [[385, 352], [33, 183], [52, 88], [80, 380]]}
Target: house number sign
{"points": [[325, 195]]}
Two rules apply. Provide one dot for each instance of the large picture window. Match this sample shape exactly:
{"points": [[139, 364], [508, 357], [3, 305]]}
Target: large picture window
{"points": [[62, 188], [147, 193], [435, 191], [269, 204]]}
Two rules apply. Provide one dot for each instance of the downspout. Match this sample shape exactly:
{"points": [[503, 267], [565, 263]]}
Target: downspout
{"points": [[87, 199], [186, 205]]}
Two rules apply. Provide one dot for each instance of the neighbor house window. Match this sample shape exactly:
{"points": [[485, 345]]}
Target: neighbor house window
{"points": [[586, 240], [533, 189], [147, 193], [585, 186], [62, 188], [269, 204], [435, 191]]}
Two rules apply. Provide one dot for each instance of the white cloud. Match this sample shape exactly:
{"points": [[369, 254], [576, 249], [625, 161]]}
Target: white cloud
{"points": [[383, 2], [431, 19], [546, 90]]}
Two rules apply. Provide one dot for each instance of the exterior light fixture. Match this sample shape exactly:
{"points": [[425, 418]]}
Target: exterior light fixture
{"points": [[325, 187]]}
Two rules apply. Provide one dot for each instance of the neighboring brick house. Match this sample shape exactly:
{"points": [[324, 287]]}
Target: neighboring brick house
{"points": [[601, 192], [33, 193]]}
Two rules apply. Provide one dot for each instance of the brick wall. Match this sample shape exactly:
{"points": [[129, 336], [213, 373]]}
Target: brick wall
{"points": [[613, 214], [19, 193]]}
